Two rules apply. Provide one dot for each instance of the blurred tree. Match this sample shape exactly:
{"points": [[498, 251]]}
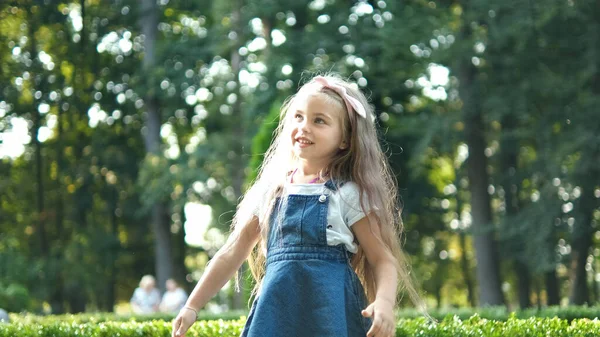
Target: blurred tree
{"points": [[149, 18]]}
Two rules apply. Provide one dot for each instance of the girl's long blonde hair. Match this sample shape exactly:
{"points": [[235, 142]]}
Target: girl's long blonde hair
{"points": [[363, 163]]}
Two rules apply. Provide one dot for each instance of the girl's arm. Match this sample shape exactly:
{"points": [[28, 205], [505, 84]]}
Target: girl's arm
{"points": [[221, 268], [386, 278]]}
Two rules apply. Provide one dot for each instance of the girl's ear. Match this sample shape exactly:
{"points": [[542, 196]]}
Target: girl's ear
{"points": [[344, 145]]}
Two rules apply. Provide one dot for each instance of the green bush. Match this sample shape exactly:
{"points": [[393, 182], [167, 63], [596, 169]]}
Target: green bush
{"points": [[110, 317], [491, 313], [124, 329], [471, 322], [420, 327], [502, 314], [513, 327]]}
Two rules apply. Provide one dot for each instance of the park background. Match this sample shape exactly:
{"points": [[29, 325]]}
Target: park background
{"points": [[129, 129]]}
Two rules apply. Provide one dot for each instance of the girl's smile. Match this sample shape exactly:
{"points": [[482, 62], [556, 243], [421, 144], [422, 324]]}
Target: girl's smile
{"points": [[303, 142]]}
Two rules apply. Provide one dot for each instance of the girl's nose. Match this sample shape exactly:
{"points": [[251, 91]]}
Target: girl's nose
{"points": [[304, 127]]}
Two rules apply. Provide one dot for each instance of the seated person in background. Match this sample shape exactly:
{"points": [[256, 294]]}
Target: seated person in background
{"points": [[4, 316], [174, 298], [146, 298]]}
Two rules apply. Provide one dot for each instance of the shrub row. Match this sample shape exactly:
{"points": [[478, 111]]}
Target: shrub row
{"points": [[502, 313], [111, 317], [420, 327], [491, 313], [157, 328], [512, 327]]}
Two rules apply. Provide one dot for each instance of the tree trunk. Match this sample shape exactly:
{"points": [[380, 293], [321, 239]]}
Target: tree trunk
{"points": [[179, 246], [159, 216], [162, 244], [56, 291], [538, 296], [62, 237], [509, 149], [466, 271], [76, 298], [37, 123], [438, 294], [464, 262], [60, 164], [595, 289], [582, 242], [552, 291], [579, 292], [114, 251], [39, 177], [488, 275], [523, 284]]}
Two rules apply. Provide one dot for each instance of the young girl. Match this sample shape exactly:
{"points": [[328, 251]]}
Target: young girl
{"points": [[324, 214]]}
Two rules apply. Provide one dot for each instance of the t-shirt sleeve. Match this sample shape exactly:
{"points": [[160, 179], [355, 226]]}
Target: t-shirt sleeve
{"points": [[351, 207], [255, 199]]}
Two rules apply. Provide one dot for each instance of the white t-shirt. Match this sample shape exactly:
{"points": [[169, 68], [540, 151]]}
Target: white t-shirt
{"points": [[145, 301], [344, 210], [173, 301]]}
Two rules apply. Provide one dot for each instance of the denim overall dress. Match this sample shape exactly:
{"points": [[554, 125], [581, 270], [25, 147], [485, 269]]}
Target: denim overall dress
{"points": [[309, 288]]}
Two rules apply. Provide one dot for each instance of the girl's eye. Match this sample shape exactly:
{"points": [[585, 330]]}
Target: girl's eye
{"points": [[298, 117], [319, 121]]}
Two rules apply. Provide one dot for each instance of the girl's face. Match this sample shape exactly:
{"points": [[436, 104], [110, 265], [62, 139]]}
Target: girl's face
{"points": [[316, 128]]}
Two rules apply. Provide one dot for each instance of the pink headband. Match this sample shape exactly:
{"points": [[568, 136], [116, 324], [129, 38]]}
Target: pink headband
{"points": [[351, 102]]}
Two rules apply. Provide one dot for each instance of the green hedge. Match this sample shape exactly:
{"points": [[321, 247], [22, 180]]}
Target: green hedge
{"points": [[111, 317], [158, 328], [449, 327], [488, 322], [491, 313], [513, 327], [502, 314]]}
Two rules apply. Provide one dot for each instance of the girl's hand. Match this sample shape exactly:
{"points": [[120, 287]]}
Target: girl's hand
{"points": [[183, 322], [382, 313]]}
